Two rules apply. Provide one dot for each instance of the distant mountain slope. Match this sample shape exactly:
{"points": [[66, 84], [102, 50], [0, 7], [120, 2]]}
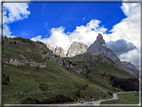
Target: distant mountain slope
{"points": [[99, 47], [128, 64]]}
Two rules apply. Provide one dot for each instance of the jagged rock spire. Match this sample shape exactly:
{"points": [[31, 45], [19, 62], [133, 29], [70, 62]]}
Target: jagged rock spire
{"points": [[99, 36], [100, 40]]}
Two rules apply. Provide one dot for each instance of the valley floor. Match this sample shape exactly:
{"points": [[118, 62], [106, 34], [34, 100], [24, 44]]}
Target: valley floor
{"points": [[124, 98], [118, 98]]}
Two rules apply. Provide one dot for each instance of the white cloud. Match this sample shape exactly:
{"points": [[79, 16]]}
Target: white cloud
{"points": [[85, 34], [24, 33], [46, 24], [83, 18], [128, 29], [13, 12], [37, 38], [131, 56]]}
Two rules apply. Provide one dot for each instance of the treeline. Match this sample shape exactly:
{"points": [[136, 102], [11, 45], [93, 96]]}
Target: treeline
{"points": [[126, 84], [60, 98]]}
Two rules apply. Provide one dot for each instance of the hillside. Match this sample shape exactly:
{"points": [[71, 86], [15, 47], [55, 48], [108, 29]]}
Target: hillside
{"points": [[33, 74]]}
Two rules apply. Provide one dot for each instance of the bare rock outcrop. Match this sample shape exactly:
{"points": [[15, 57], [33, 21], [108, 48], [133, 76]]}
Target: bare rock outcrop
{"points": [[19, 62], [128, 64], [76, 49], [60, 51], [68, 64], [50, 48]]}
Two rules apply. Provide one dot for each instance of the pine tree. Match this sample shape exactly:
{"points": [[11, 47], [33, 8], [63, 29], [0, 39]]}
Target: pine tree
{"points": [[7, 78], [14, 42], [2, 42]]}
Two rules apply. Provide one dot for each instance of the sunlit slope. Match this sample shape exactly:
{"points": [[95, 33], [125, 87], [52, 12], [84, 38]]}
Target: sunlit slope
{"points": [[100, 64], [26, 84]]}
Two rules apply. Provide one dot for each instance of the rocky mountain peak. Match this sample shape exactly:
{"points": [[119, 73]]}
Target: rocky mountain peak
{"points": [[59, 51], [100, 41], [76, 48], [99, 36], [98, 47]]}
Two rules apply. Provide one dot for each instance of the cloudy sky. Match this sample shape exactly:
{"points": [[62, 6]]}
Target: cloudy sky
{"points": [[59, 24]]}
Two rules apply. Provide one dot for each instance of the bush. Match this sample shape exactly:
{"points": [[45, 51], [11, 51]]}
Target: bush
{"points": [[77, 93]]}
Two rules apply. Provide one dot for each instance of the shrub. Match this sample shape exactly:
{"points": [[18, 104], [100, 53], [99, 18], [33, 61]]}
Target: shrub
{"points": [[84, 87], [4, 79], [43, 87], [109, 93]]}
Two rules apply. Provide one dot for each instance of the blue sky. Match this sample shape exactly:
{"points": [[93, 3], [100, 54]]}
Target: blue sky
{"points": [[60, 24], [45, 16]]}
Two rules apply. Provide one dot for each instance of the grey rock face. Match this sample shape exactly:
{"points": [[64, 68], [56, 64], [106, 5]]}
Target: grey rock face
{"points": [[59, 51], [50, 48], [76, 49], [68, 64], [16, 62], [83, 69], [20, 62], [128, 64], [99, 47]]}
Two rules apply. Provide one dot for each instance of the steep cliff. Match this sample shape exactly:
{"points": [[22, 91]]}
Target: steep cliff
{"points": [[76, 49]]}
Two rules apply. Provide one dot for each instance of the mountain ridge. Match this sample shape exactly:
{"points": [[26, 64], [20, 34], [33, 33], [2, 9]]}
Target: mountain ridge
{"points": [[99, 47], [96, 48]]}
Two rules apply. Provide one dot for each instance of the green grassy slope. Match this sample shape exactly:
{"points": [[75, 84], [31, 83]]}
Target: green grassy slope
{"points": [[108, 67], [53, 77], [103, 72], [126, 98]]}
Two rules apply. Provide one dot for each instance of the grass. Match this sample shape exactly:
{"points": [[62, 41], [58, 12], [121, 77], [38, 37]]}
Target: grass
{"points": [[57, 76], [126, 98]]}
